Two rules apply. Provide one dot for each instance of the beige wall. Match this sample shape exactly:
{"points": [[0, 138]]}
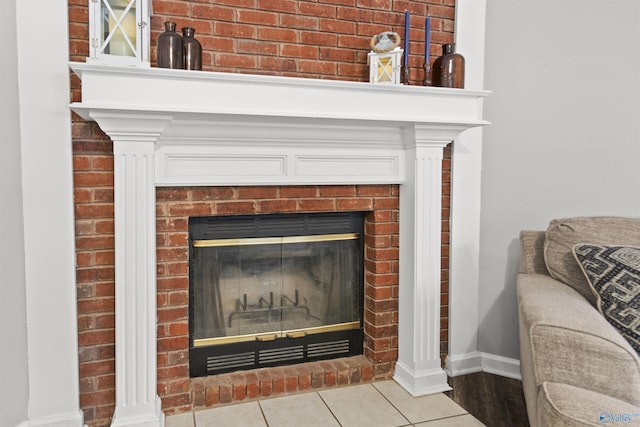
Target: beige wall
{"points": [[564, 139]]}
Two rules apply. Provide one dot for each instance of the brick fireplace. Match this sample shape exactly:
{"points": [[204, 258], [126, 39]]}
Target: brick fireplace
{"points": [[174, 206], [261, 152]]}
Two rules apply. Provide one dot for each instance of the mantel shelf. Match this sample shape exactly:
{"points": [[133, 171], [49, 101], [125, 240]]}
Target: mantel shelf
{"points": [[159, 90], [237, 129]]}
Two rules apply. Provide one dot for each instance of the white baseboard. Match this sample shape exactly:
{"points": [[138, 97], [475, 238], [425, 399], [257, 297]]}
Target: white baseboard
{"points": [[499, 365], [71, 419], [471, 363], [463, 364]]}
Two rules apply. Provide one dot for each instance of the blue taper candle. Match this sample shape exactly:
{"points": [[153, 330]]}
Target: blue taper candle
{"points": [[407, 18], [427, 38]]}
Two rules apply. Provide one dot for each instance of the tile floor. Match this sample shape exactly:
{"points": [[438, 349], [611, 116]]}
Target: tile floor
{"points": [[378, 404]]}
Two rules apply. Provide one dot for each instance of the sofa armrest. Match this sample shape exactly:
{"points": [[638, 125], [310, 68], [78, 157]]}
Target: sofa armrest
{"points": [[565, 340], [562, 405], [532, 252]]}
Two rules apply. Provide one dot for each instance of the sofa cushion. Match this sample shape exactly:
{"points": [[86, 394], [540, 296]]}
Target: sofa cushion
{"points": [[614, 274], [563, 234], [532, 252], [563, 405]]}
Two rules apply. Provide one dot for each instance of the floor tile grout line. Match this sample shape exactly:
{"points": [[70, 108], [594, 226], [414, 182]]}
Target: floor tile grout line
{"points": [[450, 416], [316, 393], [329, 408], [419, 422], [264, 416], [391, 403]]}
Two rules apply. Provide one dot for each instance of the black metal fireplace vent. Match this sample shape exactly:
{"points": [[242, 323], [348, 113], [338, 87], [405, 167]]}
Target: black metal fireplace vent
{"points": [[274, 225], [270, 290], [283, 351]]}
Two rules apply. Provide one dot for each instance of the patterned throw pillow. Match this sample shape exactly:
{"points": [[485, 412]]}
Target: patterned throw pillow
{"points": [[564, 233], [614, 273]]}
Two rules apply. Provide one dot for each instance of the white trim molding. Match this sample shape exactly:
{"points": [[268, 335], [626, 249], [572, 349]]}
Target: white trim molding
{"points": [[173, 128], [472, 363], [464, 247], [463, 364], [500, 365], [71, 419], [53, 397]]}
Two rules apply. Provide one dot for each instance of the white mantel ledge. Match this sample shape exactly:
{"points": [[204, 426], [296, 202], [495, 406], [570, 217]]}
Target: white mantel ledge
{"points": [[181, 91], [236, 129]]}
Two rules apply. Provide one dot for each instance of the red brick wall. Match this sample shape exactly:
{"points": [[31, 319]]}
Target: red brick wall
{"points": [[444, 280], [302, 38], [93, 178]]}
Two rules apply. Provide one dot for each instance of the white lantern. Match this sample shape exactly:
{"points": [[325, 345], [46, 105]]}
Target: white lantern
{"points": [[384, 58], [119, 31], [385, 67]]}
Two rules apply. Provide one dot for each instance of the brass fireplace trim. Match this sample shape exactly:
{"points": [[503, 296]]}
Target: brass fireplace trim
{"points": [[252, 241], [293, 333]]}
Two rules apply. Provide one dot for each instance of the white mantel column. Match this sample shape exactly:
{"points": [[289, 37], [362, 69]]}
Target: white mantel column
{"points": [[418, 368], [464, 257], [137, 401]]}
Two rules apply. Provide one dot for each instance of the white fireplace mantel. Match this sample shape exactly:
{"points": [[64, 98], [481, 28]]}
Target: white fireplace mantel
{"points": [[176, 127]]}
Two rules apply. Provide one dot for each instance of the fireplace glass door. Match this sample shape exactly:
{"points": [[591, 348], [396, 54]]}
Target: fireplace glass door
{"points": [[275, 293], [265, 287]]}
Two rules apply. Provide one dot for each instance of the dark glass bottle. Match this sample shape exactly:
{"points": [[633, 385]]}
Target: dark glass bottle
{"points": [[169, 47], [191, 50], [448, 70]]}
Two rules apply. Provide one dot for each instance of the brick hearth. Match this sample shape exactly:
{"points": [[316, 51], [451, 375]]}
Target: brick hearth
{"points": [[245, 385]]}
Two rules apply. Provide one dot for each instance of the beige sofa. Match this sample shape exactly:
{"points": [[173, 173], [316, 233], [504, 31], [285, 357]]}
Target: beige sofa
{"points": [[577, 369]]}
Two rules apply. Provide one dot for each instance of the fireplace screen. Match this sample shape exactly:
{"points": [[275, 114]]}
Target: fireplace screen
{"points": [[274, 289]]}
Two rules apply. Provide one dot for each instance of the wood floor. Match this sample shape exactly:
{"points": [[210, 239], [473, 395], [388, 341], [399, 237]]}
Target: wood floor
{"points": [[494, 400]]}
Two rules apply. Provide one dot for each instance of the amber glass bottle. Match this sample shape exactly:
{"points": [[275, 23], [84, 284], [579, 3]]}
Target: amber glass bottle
{"points": [[448, 70], [169, 47], [191, 49]]}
